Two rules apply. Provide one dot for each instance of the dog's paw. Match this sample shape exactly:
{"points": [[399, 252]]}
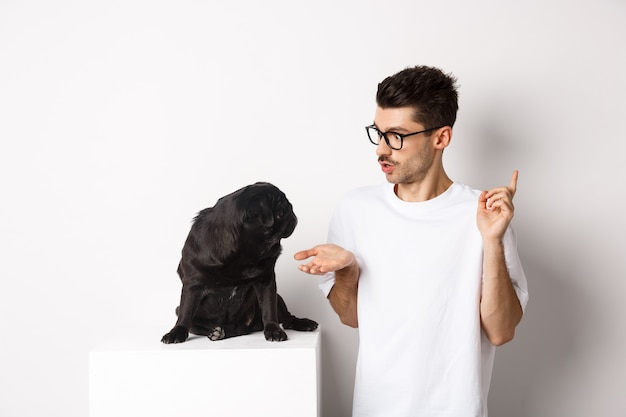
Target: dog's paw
{"points": [[304, 325], [177, 335], [217, 334], [273, 333]]}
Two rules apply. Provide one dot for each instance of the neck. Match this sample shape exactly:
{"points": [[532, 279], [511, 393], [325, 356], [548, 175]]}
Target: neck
{"points": [[424, 190]]}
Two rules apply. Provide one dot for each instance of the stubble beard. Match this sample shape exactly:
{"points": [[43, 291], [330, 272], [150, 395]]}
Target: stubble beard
{"points": [[414, 170]]}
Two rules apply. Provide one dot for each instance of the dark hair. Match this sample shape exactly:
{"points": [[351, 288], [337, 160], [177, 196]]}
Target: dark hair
{"points": [[429, 91]]}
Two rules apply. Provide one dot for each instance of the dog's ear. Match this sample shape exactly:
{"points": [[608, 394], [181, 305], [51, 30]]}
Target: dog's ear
{"points": [[258, 215], [216, 233]]}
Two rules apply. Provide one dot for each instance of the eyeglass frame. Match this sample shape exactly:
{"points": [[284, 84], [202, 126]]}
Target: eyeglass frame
{"points": [[400, 135]]}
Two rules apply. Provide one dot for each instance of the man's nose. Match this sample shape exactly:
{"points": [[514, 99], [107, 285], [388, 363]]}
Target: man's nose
{"points": [[382, 148]]}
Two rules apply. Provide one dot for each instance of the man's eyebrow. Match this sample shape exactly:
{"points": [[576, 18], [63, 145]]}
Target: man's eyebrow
{"points": [[394, 129]]}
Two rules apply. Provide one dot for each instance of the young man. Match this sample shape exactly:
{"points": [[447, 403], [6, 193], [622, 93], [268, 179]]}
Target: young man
{"points": [[425, 267]]}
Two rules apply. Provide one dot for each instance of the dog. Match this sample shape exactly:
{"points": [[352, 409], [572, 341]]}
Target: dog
{"points": [[227, 268]]}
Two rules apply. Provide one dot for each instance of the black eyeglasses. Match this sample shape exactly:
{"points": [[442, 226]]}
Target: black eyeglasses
{"points": [[395, 141]]}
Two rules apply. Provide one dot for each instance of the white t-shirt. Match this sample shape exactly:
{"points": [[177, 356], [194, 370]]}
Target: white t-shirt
{"points": [[422, 351]]}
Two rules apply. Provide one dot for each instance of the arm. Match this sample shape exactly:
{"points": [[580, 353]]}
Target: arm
{"points": [[500, 309], [343, 295]]}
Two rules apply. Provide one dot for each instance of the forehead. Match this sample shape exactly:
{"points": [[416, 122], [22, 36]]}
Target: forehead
{"points": [[396, 119]]}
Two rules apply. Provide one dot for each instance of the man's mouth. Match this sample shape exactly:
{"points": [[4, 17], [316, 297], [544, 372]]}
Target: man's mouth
{"points": [[385, 165]]}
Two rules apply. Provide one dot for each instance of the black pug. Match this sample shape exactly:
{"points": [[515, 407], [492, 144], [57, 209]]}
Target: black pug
{"points": [[227, 268]]}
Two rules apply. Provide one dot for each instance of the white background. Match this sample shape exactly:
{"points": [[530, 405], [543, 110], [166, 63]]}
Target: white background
{"points": [[119, 120]]}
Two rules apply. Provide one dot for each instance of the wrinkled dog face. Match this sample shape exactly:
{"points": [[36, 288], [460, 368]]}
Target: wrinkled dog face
{"points": [[268, 215]]}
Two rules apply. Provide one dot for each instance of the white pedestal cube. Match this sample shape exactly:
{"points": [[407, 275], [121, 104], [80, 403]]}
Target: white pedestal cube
{"points": [[241, 376]]}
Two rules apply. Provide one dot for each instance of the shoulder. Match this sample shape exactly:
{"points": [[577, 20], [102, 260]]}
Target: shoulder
{"points": [[365, 193], [462, 191], [460, 195]]}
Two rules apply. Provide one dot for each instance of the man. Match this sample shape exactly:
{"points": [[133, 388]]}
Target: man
{"points": [[425, 267]]}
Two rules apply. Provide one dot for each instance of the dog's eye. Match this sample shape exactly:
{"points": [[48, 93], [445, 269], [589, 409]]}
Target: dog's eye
{"points": [[281, 210]]}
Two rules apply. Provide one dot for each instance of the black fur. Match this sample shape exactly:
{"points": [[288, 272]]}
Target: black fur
{"points": [[227, 268]]}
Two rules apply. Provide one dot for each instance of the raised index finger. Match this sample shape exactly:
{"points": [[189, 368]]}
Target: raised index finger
{"points": [[513, 184]]}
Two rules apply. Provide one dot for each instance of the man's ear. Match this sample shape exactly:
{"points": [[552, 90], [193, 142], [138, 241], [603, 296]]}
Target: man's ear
{"points": [[443, 137]]}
